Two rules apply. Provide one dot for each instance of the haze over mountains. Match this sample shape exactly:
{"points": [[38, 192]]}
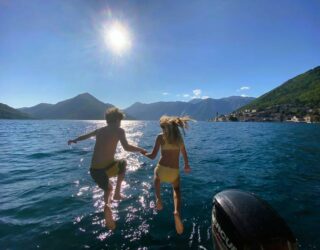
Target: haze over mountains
{"points": [[199, 109], [87, 107]]}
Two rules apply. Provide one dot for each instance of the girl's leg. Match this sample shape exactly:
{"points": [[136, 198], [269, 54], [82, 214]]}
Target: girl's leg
{"points": [[110, 223], [177, 206], [156, 181], [117, 195]]}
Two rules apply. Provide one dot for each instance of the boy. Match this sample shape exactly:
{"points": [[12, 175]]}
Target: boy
{"points": [[103, 164]]}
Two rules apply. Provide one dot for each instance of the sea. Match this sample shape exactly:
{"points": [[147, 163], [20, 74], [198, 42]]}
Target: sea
{"points": [[49, 201]]}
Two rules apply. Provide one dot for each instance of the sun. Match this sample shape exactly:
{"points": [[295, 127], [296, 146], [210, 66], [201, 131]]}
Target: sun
{"points": [[117, 38]]}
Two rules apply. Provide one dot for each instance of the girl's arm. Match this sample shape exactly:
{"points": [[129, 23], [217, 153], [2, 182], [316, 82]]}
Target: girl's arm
{"points": [[156, 148], [83, 137], [187, 168]]}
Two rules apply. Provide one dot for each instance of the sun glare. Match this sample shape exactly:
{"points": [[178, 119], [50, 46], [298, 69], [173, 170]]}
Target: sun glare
{"points": [[117, 38]]}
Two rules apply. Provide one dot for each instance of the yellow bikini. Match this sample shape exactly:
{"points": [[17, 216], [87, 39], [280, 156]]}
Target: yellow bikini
{"points": [[167, 174], [169, 146]]}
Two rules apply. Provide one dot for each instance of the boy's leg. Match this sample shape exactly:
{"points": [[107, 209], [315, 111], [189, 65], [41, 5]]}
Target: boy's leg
{"points": [[107, 194], [110, 223], [121, 174], [177, 206], [156, 181], [102, 180]]}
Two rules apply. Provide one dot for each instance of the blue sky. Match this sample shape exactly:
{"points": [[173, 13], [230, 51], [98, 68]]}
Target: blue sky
{"points": [[54, 50]]}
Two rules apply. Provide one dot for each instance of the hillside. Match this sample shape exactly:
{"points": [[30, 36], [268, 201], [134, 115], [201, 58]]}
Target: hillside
{"points": [[199, 109], [81, 107], [300, 91], [7, 112]]}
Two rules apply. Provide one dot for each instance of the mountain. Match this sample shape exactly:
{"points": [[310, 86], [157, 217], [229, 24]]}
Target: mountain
{"points": [[7, 112], [81, 107], [302, 91], [153, 111], [38, 109], [87, 107], [195, 100], [199, 109]]}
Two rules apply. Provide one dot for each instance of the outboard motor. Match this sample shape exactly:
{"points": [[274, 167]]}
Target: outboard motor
{"points": [[241, 220]]}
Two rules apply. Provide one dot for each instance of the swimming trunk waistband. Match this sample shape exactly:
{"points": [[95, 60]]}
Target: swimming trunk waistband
{"points": [[117, 167], [101, 175]]}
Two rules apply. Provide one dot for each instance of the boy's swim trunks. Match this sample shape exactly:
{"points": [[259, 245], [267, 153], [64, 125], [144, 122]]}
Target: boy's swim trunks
{"points": [[101, 176], [115, 168]]}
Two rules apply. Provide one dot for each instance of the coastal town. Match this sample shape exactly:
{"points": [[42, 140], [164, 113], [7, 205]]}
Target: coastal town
{"points": [[279, 113]]}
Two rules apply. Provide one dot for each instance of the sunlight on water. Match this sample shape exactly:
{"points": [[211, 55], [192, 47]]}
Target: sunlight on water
{"points": [[82, 190], [49, 196], [78, 219], [142, 201], [104, 235], [133, 162], [97, 220], [97, 193]]}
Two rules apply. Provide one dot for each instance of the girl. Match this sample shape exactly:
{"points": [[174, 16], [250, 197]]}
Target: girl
{"points": [[167, 170]]}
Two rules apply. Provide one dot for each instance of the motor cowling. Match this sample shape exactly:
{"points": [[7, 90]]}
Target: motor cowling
{"points": [[241, 220]]}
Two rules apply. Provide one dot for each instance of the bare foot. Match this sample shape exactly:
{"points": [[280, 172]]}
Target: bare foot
{"points": [[178, 223], [109, 219], [159, 205], [118, 197]]}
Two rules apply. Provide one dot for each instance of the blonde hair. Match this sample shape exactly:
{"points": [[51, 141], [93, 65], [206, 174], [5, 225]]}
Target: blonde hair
{"points": [[113, 115], [171, 125]]}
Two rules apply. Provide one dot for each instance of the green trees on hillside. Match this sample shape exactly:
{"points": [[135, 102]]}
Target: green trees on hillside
{"points": [[301, 91]]}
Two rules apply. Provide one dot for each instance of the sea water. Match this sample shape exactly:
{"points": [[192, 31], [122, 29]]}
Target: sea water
{"points": [[49, 201]]}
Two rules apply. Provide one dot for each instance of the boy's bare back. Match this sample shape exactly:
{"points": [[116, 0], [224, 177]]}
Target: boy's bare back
{"points": [[107, 139]]}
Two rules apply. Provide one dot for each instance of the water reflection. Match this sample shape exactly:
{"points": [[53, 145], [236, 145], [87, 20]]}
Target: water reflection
{"points": [[104, 235], [82, 190], [40, 184]]}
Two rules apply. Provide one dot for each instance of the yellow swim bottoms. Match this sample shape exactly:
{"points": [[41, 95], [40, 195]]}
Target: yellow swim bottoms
{"points": [[115, 168], [166, 174]]}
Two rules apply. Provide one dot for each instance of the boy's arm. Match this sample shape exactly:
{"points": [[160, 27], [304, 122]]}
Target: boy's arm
{"points": [[156, 148], [83, 137], [127, 147], [187, 168]]}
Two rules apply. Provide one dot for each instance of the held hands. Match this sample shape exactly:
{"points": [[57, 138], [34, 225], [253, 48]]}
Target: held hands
{"points": [[146, 154], [143, 151], [187, 169]]}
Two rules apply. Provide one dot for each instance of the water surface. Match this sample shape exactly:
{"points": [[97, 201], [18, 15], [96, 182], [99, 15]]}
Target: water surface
{"points": [[49, 201]]}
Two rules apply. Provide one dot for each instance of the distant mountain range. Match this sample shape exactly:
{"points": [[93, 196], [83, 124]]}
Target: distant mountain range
{"points": [[302, 91], [81, 107], [7, 112], [199, 109], [87, 107]]}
